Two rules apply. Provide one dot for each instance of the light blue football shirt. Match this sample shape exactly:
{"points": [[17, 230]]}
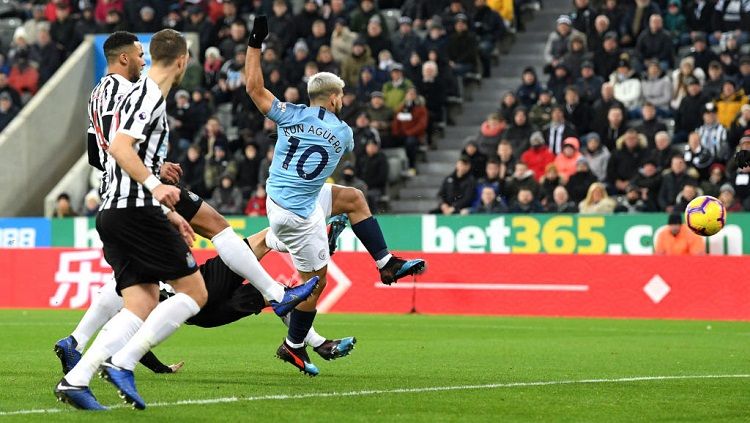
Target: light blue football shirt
{"points": [[310, 144]]}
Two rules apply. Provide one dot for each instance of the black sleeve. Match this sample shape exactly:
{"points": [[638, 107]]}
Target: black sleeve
{"points": [[149, 360], [93, 152]]}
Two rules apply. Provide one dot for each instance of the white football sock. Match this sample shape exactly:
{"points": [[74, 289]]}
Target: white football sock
{"points": [[274, 243], [103, 307], [382, 262], [162, 322], [312, 339], [240, 258], [113, 336]]}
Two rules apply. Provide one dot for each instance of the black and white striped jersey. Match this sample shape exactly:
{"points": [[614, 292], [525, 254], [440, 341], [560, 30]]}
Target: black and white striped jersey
{"points": [[141, 114], [110, 89]]}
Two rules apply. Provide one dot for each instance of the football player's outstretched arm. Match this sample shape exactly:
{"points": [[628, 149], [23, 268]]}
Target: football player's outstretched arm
{"points": [[262, 98]]}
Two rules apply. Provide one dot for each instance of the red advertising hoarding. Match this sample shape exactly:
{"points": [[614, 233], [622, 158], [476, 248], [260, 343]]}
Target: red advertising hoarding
{"points": [[490, 284]]}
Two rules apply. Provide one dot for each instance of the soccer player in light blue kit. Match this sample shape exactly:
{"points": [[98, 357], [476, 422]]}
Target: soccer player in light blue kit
{"points": [[311, 141]]}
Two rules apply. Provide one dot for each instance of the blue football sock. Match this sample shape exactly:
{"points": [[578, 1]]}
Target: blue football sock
{"points": [[368, 231], [300, 323]]}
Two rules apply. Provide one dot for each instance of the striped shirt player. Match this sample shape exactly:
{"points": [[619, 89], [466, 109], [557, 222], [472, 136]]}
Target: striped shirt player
{"points": [[142, 115], [111, 89]]}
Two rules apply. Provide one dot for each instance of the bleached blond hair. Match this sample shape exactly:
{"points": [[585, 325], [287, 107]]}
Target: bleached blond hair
{"points": [[323, 84]]}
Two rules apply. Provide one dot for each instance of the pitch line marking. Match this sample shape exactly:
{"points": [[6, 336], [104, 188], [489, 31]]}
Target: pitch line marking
{"points": [[393, 391], [488, 286]]}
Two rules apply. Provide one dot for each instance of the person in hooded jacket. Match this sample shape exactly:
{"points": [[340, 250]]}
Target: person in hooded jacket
{"points": [[596, 154], [579, 183], [565, 162], [529, 90], [538, 156]]}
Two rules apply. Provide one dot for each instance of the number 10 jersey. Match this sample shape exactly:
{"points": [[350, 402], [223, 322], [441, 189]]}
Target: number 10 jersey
{"points": [[310, 144]]}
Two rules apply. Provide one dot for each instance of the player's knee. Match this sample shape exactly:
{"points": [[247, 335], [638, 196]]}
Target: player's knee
{"points": [[357, 200]]}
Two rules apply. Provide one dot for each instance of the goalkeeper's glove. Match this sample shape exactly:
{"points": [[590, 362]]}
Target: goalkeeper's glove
{"points": [[259, 32]]}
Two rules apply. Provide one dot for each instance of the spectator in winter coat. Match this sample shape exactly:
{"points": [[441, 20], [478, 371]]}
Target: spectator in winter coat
{"points": [[589, 84], [462, 48], [717, 177], [529, 90], [688, 116], [673, 182], [395, 90], [597, 201], [636, 20], [193, 170], [650, 124], [579, 182], [559, 81], [505, 157], [557, 130], [227, 198], [627, 86], [342, 40], [538, 156], [601, 107], [525, 202], [557, 42], [477, 159], [606, 58], [256, 205], [631, 202], [663, 150], [675, 24], [561, 202], [410, 125], [23, 77], [575, 56], [381, 117], [349, 178], [596, 154], [217, 166], [362, 15], [7, 110], [565, 162], [541, 113], [248, 169], [681, 77], [353, 63], [648, 182], [715, 81], [404, 41], [522, 177], [489, 203], [577, 113], [548, 183], [519, 132], [615, 127], [713, 135], [372, 168], [490, 133], [625, 161], [508, 105], [730, 102], [655, 43], [457, 191], [697, 156], [657, 88]]}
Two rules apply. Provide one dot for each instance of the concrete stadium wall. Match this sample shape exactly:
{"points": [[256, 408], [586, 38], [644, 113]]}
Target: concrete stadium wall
{"points": [[41, 144]]}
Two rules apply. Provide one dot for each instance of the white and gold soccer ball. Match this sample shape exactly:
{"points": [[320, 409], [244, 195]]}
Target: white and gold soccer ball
{"points": [[705, 215]]}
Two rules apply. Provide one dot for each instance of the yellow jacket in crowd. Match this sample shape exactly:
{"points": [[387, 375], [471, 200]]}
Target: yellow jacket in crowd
{"points": [[503, 7]]}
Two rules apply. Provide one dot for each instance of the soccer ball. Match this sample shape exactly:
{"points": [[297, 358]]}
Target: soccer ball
{"points": [[705, 215]]}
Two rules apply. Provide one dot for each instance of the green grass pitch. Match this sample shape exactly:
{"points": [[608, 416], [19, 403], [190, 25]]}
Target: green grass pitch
{"points": [[410, 368]]}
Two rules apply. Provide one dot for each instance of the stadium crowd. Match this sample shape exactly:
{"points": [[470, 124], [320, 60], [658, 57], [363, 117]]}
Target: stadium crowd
{"points": [[640, 107], [400, 70]]}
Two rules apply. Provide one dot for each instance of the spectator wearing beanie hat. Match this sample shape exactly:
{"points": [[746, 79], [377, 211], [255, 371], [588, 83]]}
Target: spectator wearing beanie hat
{"points": [[580, 181], [596, 154], [726, 196], [538, 156]]}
